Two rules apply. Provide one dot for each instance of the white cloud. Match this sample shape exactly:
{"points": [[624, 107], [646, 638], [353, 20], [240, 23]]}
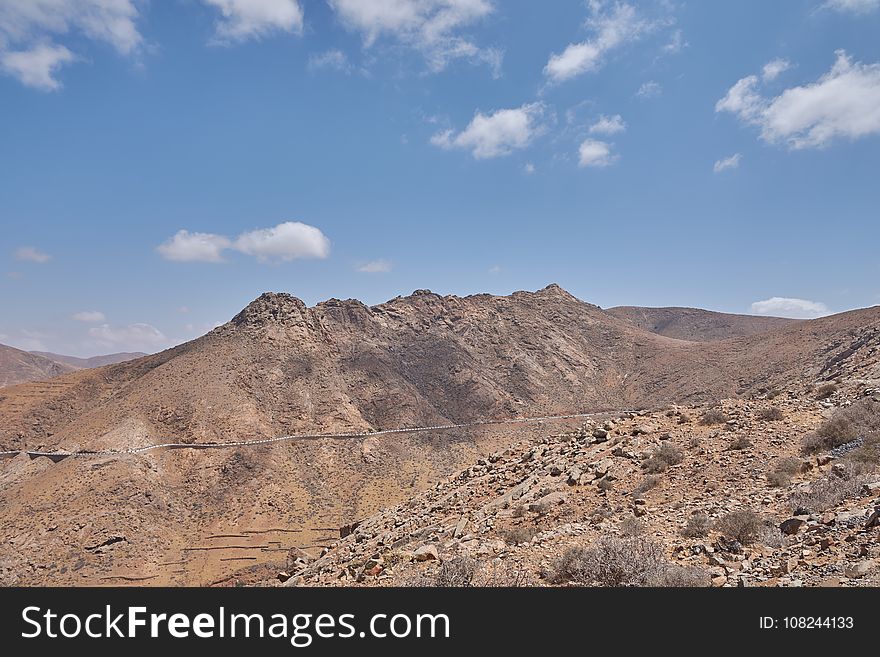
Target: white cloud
{"points": [[611, 29], [495, 269], [842, 104], [286, 241], [194, 247], [773, 69], [854, 6], [37, 67], [594, 153], [375, 267], [254, 19], [289, 240], [608, 125], [31, 254], [676, 43], [529, 168], [29, 30], [131, 337], [90, 316], [430, 26], [335, 60], [649, 89], [726, 163], [496, 134], [787, 307]]}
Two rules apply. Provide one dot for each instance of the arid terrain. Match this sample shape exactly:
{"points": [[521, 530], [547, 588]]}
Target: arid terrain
{"points": [[273, 512]]}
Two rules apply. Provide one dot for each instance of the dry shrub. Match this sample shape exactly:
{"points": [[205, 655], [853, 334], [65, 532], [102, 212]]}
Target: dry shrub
{"points": [[648, 483], [771, 414], [825, 390], [632, 526], [698, 526], [685, 577], [861, 419], [714, 416], [828, 492], [684, 418], [745, 526], [662, 458], [783, 470], [517, 535], [612, 561], [458, 572], [739, 443]]}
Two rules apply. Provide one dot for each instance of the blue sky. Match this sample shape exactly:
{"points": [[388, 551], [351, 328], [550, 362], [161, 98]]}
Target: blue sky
{"points": [[723, 155]]}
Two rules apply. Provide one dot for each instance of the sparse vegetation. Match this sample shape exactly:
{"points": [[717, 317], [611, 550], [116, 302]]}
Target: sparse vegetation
{"points": [[612, 561], [745, 526], [632, 526], [684, 418], [861, 419], [662, 458], [826, 390], [828, 492], [698, 526], [772, 414], [783, 471], [517, 535], [714, 416], [676, 576], [739, 443], [458, 572], [649, 482]]}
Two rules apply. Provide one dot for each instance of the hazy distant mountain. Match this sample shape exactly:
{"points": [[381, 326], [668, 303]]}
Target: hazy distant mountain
{"points": [[17, 366], [695, 324], [94, 361]]}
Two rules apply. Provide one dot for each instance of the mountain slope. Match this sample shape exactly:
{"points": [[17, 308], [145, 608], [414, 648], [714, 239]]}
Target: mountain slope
{"points": [[17, 366], [94, 361], [696, 325]]}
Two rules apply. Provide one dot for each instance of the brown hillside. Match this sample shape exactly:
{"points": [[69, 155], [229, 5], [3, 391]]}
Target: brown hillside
{"points": [[695, 324], [17, 366]]}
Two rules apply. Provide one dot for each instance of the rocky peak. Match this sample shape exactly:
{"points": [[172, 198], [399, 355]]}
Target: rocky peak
{"points": [[271, 308]]}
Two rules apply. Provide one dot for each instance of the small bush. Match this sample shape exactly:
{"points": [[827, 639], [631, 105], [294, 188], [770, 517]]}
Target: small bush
{"points": [[714, 416], [744, 526], [859, 420], [662, 458], [458, 572], [698, 526], [612, 561], [605, 484], [649, 482], [830, 491], [518, 535], [772, 414], [825, 390], [685, 577], [631, 526], [684, 418], [739, 443], [782, 472]]}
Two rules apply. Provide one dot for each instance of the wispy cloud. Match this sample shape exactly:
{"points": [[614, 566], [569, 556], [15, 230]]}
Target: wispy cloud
{"points": [[726, 163], [431, 27], [89, 316], [375, 267], [333, 60], [254, 19], [649, 89], [32, 254], [608, 125]]}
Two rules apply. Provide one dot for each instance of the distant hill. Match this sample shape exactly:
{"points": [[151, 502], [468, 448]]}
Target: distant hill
{"points": [[94, 361], [697, 325], [17, 366]]}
